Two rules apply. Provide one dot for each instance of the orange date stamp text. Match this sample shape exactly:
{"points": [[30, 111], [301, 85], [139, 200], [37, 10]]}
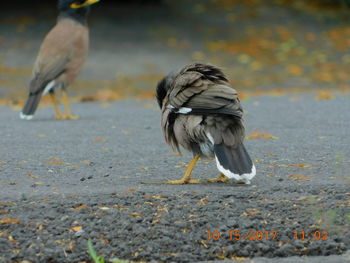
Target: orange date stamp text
{"points": [[265, 235]]}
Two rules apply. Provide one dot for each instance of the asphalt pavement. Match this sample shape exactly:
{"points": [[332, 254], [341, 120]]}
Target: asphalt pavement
{"points": [[64, 182]]}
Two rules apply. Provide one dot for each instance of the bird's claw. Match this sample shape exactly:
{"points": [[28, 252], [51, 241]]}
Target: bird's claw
{"points": [[184, 181], [181, 181], [218, 180], [66, 117]]}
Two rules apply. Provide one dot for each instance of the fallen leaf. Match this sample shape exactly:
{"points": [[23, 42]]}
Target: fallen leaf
{"points": [[203, 201], [324, 95], [102, 96], [132, 189], [41, 135], [292, 165], [38, 183], [345, 204], [260, 135], [79, 207], [104, 208], [31, 176], [298, 177], [136, 215], [204, 243], [8, 220], [99, 139], [251, 212], [11, 239], [158, 197], [76, 228]]}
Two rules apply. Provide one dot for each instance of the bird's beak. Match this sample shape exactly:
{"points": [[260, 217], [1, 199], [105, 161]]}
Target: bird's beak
{"points": [[86, 3]]}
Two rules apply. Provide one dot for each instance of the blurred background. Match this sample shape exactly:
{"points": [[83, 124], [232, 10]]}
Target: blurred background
{"points": [[273, 46]]}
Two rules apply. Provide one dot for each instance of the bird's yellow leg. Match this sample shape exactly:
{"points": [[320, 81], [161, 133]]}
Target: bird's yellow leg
{"points": [[186, 179], [221, 178], [68, 115], [58, 115]]}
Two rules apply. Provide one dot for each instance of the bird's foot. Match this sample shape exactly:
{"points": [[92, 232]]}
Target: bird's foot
{"points": [[66, 117], [181, 181], [220, 179], [59, 116], [184, 181], [70, 117]]}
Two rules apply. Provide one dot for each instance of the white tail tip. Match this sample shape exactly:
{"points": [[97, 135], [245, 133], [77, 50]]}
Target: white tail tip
{"points": [[25, 117]]}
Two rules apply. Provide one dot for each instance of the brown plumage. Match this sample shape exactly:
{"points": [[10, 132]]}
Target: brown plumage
{"points": [[203, 114], [61, 57]]}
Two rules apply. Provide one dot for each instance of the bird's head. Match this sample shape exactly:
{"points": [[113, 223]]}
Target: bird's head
{"points": [[75, 9], [74, 4], [163, 87]]}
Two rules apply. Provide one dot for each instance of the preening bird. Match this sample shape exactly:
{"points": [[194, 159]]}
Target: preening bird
{"points": [[61, 56], [203, 114]]}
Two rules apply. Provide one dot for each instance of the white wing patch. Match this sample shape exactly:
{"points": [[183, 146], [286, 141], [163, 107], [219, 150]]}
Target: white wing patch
{"points": [[48, 87], [184, 110]]}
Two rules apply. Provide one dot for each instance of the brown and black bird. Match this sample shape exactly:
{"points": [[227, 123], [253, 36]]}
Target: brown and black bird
{"points": [[61, 56], [203, 114]]}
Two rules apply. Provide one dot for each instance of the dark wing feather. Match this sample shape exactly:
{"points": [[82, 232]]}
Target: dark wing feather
{"points": [[203, 96]]}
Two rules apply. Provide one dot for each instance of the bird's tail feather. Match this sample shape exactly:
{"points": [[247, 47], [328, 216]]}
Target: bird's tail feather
{"points": [[234, 162], [30, 106]]}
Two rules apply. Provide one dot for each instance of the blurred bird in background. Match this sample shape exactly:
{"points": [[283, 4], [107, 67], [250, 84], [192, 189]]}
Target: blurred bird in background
{"points": [[203, 114], [61, 56]]}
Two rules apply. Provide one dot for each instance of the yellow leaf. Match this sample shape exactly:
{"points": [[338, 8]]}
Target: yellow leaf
{"points": [[158, 197], [260, 135], [104, 208], [239, 259], [99, 139], [298, 177], [251, 212], [31, 176], [79, 207], [203, 201], [324, 95], [136, 215], [11, 239], [76, 228], [8, 220]]}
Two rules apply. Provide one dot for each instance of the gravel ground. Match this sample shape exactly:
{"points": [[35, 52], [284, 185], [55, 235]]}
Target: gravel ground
{"points": [[64, 182]]}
